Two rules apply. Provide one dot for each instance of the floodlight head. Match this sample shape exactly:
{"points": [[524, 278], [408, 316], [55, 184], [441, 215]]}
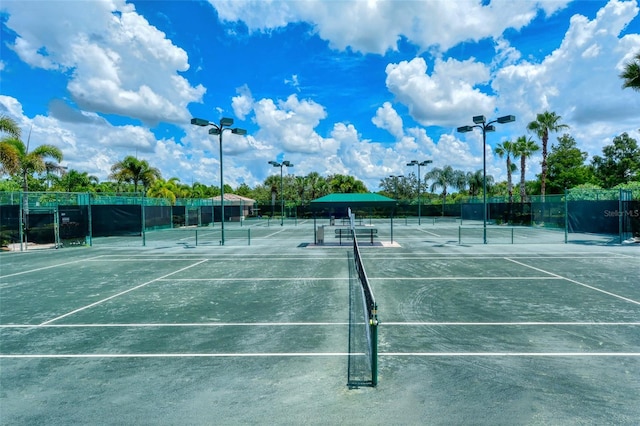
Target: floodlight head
{"points": [[287, 163], [237, 131], [412, 163], [506, 119], [490, 128], [425, 162], [479, 119], [214, 131], [465, 129], [274, 163], [199, 122], [226, 121]]}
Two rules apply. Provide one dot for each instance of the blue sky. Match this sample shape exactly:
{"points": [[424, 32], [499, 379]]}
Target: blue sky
{"points": [[351, 87]]}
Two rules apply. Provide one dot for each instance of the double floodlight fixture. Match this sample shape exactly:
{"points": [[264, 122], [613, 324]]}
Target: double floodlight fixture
{"points": [[217, 129], [419, 163], [286, 163], [480, 121]]}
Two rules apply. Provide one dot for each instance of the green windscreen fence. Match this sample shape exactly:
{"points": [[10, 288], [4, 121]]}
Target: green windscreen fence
{"points": [[67, 219]]}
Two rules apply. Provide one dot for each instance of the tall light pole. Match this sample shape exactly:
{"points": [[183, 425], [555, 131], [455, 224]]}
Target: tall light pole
{"points": [[218, 129], [481, 123], [281, 165], [419, 164]]}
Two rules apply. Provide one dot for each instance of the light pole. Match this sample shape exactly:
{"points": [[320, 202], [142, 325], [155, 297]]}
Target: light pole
{"points": [[419, 164], [218, 129], [281, 165], [482, 124]]}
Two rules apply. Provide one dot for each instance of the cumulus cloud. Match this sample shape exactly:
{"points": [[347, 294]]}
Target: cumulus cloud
{"points": [[443, 98], [243, 103], [377, 26], [387, 118], [291, 123], [118, 63]]}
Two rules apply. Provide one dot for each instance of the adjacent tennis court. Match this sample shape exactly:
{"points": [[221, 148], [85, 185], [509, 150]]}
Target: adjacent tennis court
{"points": [[257, 330]]}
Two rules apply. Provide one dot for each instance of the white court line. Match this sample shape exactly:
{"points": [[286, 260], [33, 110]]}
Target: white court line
{"points": [[273, 233], [626, 299], [507, 324], [430, 233], [510, 354], [195, 324], [373, 255], [187, 355], [331, 354], [120, 294], [324, 324], [211, 259], [49, 267], [463, 278], [258, 279]]}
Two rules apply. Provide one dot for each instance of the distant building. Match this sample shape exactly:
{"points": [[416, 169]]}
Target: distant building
{"points": [[236, 207]]}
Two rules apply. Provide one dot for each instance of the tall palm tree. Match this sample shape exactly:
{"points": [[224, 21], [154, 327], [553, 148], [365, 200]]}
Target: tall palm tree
{"points": [[507, 149], [135, 171], [544, 124], [631, 74], [443, 178], [524, 147]]}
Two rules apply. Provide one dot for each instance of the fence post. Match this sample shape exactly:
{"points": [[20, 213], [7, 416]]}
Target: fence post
{"points": [[566, 216]]}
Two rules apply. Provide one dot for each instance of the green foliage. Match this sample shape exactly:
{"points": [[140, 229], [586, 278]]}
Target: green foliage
{"points": [[631, 74], [134, 171], [619, 164], [566, 166]]}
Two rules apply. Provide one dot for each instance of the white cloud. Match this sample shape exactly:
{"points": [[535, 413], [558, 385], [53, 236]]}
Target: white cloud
{"points": [[290, 124], [387, 118], [377, 26], [243, 103], [118, 63], [445, 97]]}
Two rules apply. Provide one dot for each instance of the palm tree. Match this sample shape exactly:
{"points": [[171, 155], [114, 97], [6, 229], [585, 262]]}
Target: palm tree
{"points": [[26, 163], [631, 74], [75, 181], [524, 147], [543, 124], [474, 180], [9, 157], [134, 171], [161, 188], [507, 149], [443, 178]]}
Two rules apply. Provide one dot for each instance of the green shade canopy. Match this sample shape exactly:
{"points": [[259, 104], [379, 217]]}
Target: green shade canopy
{"points": [[355, 200]]}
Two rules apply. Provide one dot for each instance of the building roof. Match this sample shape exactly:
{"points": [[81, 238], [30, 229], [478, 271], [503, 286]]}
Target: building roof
{"points": [[234, 199]]}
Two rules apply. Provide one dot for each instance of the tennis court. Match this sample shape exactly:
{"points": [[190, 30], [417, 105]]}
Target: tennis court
{"points": [[256, 331]]}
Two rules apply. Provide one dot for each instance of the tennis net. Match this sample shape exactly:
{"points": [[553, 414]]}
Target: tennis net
{"points": [[363, 323]]}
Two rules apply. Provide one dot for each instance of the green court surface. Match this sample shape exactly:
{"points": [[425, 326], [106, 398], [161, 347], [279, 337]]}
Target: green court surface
{"points": [[533, 332]]}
